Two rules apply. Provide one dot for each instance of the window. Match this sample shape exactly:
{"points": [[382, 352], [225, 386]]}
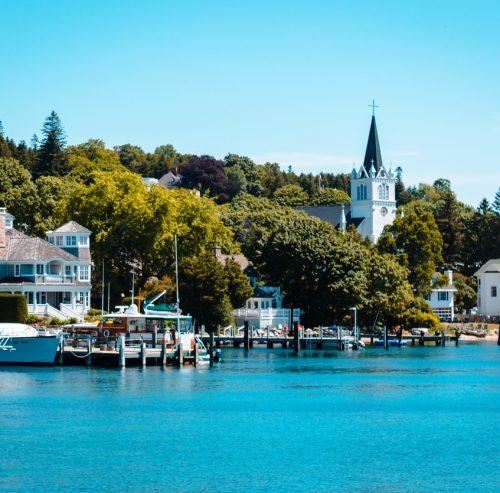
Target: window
{"points": [[427, 297], [30, 297], [361, 192], [493, 291], [84, 273], [17, 270], [51, 239], [70, 240], [39, 269], [383, 191], [59, 240], [84, 240], [67, 270], [41, 298], [443, 295]]}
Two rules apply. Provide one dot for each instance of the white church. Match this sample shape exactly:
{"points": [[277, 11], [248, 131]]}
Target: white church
{"points": [[373, 199]]}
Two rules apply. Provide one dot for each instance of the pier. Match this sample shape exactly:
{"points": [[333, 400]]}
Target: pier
{"points": [[121, 352]]}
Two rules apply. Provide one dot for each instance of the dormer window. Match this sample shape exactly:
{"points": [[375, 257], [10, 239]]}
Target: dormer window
{"points": [[84, 241], [70, 240], [59, 240]]}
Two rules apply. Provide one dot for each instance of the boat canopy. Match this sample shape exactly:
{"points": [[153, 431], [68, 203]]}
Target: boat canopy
{"points": [[17, 330], [163, 307]]}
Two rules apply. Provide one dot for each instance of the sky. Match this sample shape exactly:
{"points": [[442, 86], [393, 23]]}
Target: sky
{"points": [[283, 81]]}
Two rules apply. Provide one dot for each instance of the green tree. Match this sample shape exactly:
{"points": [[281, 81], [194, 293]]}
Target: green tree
{"points": [[466, 295], [51, 157], [417, 244], [238, 287], [291, 195], [243, 171], [330, 196]]}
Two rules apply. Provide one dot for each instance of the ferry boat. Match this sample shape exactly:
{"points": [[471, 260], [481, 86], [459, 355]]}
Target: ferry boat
{"points": [[22, 344], [153, 327]]}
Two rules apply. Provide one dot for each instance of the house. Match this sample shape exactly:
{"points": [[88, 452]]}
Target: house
{"points": [[170, 180], [53, 274], [265, 308], [442, 297], [373, 196], [488, 287]]}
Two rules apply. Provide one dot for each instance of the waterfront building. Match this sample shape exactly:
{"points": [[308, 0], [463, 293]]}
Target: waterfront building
{"points": [[373, 195], [442, 297], [53, 274], [488, 286]]}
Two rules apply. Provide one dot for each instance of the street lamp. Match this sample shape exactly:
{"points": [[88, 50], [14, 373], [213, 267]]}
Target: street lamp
{"points": [[355, 310]]}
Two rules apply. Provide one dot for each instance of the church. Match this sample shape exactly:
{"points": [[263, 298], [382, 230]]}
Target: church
{"points": [[373, 199]]}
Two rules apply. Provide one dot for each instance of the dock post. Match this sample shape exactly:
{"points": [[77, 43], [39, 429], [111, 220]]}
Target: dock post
{"points": [[143, 353], [296, 342], [498, 339], [250, 342], [212, 345], [155, 337], [61, 350], [180, 357], [386, 339], [246, 337], [443, 339], [196, 353], [164, 353], [121, 349], [89, 356]]}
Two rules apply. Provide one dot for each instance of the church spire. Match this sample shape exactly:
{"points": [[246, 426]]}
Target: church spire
{"points": [[373, 157]]}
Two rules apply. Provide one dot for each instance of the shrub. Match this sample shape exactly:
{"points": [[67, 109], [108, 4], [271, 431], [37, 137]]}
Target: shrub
{"points": [[32, 319], [13, 308], [55, 321]]}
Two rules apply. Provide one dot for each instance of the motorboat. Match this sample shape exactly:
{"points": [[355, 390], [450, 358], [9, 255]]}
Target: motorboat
{"points": [[391, 342], [22, 344]]}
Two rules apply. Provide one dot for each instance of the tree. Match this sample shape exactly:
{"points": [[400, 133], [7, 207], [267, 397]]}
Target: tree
{"points": [[238, 287], [243, 171], [291, 195], [203, 291], [496, 202], [330, 196], [207, 175], [466, 295], [51, 158], [417, 244]]}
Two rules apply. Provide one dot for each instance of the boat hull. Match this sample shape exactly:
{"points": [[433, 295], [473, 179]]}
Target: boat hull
{"points": [[30, 351]]}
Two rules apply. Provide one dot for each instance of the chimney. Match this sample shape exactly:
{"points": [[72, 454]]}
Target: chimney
{"points": [[450, 277], [217, 251], [3, 213]]}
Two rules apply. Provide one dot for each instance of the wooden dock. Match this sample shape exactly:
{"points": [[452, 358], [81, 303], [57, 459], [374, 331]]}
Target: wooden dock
{"points": [[83, 351]]}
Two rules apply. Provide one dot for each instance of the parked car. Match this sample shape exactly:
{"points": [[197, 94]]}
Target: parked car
{"points": [[420, 331]]}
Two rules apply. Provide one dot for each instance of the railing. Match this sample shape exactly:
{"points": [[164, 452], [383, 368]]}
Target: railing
{"points": [[55, 279], [265, 312], [70, 313]]}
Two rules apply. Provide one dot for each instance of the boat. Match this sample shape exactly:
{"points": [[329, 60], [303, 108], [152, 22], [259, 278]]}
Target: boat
{"points": [[391, 342], [153, 327], [22, 344]]}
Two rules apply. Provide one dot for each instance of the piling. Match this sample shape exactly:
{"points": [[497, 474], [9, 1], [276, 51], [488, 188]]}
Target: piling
{"points": [[296, 344], [196, 353], [386, 338], [443, 339], [498, 338], [90, 346], [155, 337], [212, 345], [246, 337], [121, 348], [180, 354], [164, 353], [61, 351], [143, 353]]}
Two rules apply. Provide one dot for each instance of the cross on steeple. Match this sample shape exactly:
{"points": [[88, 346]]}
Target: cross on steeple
{"points": [[373, 105]]}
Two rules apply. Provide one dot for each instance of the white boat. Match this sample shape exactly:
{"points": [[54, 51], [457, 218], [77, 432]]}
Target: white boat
{"points": [[22, 344], [152, 327]]}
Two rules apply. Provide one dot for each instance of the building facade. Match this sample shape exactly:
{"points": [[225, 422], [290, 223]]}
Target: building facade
{"points": [[53, 274], [488, 288], [442, 298]]}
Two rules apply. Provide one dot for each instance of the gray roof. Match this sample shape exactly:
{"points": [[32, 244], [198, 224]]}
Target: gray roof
{"points": [[170, 179], [71, 227], [331, 214], [22, 248]]}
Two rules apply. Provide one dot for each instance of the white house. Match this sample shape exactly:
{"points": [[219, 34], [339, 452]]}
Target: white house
{"points": [[54, 275], [488, 287], [373, 195], [442, 298]]}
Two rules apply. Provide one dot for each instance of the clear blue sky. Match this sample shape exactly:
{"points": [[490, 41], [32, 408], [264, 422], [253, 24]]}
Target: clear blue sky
{"points": [[275, 80]]}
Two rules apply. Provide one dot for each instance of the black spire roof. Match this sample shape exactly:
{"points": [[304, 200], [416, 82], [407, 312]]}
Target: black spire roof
{"points": [[373, 149]]}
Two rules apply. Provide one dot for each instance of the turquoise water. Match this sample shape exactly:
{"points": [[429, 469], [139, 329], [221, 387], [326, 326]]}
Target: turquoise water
{"points": [[413, 419]]}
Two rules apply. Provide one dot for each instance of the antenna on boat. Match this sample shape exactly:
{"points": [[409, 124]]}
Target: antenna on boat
{"points": [[176, 280], [102, 290], [133, 282]]}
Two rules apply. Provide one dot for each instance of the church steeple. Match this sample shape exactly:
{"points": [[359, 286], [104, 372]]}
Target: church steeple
{"points": [[372, 154]]}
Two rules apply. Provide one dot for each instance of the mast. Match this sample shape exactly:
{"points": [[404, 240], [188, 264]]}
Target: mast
{"points": [[176, 282]]}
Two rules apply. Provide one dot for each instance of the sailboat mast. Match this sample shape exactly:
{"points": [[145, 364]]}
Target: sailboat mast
{"points": [[176, 281]]}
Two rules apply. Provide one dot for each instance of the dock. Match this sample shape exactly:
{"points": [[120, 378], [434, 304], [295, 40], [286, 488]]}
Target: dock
{"points": [[121, 352]]}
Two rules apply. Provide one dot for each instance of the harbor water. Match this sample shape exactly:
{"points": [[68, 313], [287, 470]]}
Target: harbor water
{"points": [[410, 419]]}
